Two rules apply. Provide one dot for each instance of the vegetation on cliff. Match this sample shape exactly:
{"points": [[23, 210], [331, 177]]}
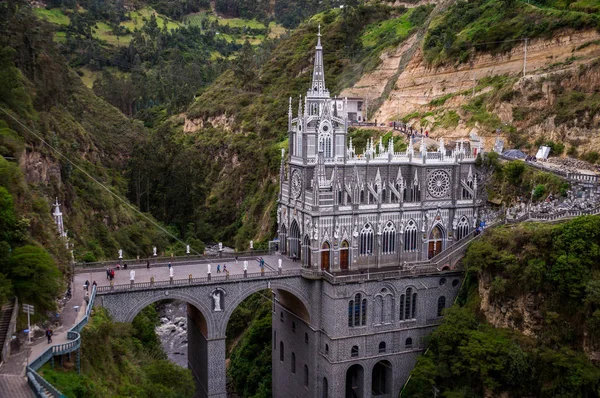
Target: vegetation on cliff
{"points": [[497, 26], [44, 100], [123, 360], [544, 352]]}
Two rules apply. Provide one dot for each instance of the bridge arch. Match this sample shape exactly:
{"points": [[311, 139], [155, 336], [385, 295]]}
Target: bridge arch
{"points": [[289, 292], [173, 294]]}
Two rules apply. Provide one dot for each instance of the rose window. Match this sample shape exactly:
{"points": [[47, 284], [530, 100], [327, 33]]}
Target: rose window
{"points": [[438, 184]]}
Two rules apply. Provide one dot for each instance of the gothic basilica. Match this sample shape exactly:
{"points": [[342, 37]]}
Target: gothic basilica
{"points": [[339, 210]]}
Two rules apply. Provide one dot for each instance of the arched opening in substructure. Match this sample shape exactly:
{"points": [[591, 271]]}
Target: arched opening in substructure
{"points": [[182, 332], [267, 340], [381, 380], [355, 384]]}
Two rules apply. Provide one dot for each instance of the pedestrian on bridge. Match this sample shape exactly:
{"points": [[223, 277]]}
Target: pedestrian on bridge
{"points": [[218, 268], [225, 268], [49, 334], [147, 264], [169, 266]]}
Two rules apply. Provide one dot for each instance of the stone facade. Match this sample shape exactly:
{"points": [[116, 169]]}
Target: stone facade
{"points": [[331, 349], [311, 325], [342, 211]]}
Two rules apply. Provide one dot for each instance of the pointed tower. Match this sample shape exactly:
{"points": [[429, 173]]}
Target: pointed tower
{"points": [[318, 80], [290, 116]]}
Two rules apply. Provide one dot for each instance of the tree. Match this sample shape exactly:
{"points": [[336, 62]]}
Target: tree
{"points": [[35, 276]]}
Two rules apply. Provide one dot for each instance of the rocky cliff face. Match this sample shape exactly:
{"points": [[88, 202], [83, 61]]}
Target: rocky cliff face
{"points": [[419, 86], [521, 313]]}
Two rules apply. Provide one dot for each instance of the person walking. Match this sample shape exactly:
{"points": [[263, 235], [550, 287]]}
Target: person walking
{"points": [[87, 285], [108, 273], [218, 268], [169, 266], [147, 264], [49, 334], [225, 268]]}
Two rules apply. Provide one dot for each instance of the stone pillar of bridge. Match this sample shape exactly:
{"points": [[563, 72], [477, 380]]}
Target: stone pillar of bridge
{"points": [[206, 357]]}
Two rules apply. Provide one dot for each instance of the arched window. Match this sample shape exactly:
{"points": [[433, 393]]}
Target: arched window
{"points": [[294, 327], [281, 316], [389, 238], [306, 338], [357, 311], [362, 196], [465, 192], [382, 347], [441, 305], [326, 349], [293, 363], [462, 228], [408, 343], [325, 144], [354, 351], [325, 388], [410, 237], [366, 240], [294, 240], [305, 376], [402, 299], [281, 354], [408, 305], [299, 143]]}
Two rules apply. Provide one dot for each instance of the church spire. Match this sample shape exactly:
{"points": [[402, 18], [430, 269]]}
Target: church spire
{"points": [[318, 81]]}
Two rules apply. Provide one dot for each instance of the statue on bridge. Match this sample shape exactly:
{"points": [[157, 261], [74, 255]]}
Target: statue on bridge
{"points": [[216, 296]]}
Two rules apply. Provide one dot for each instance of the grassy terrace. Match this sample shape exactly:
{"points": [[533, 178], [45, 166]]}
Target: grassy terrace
{"points": [[137, 20]]}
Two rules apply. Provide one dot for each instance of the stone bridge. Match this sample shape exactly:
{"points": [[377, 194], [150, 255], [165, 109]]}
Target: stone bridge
{"points": [[211, 301]]}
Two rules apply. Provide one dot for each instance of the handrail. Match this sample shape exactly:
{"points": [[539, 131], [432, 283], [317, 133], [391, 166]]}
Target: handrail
{"points": [[35, 380], [174, 260]]}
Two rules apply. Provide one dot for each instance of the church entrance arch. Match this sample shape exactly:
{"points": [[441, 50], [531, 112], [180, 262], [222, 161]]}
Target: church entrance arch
{"points": [[295, 241], [344, 249], [381, 380], [325, 256], [306, 257], [436, 241], [355, 382]]}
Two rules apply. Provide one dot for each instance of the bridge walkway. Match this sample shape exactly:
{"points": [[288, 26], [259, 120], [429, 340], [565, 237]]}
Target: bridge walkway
{"points": [[183, 270]]}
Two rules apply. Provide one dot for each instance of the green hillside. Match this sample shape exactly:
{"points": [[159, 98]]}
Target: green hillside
{"points": [[53, 133], [545, 350]]}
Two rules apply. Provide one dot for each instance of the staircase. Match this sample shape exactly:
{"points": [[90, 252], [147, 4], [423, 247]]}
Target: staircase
{"points": [[5, 316]]}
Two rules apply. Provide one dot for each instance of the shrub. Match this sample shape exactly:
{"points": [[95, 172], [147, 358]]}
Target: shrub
{"points": [[514, 171], [591, 156]]}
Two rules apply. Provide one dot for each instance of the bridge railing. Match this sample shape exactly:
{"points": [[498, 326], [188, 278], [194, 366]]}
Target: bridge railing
{"points": [[37, 383], [197, 281], [141, 262]]}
